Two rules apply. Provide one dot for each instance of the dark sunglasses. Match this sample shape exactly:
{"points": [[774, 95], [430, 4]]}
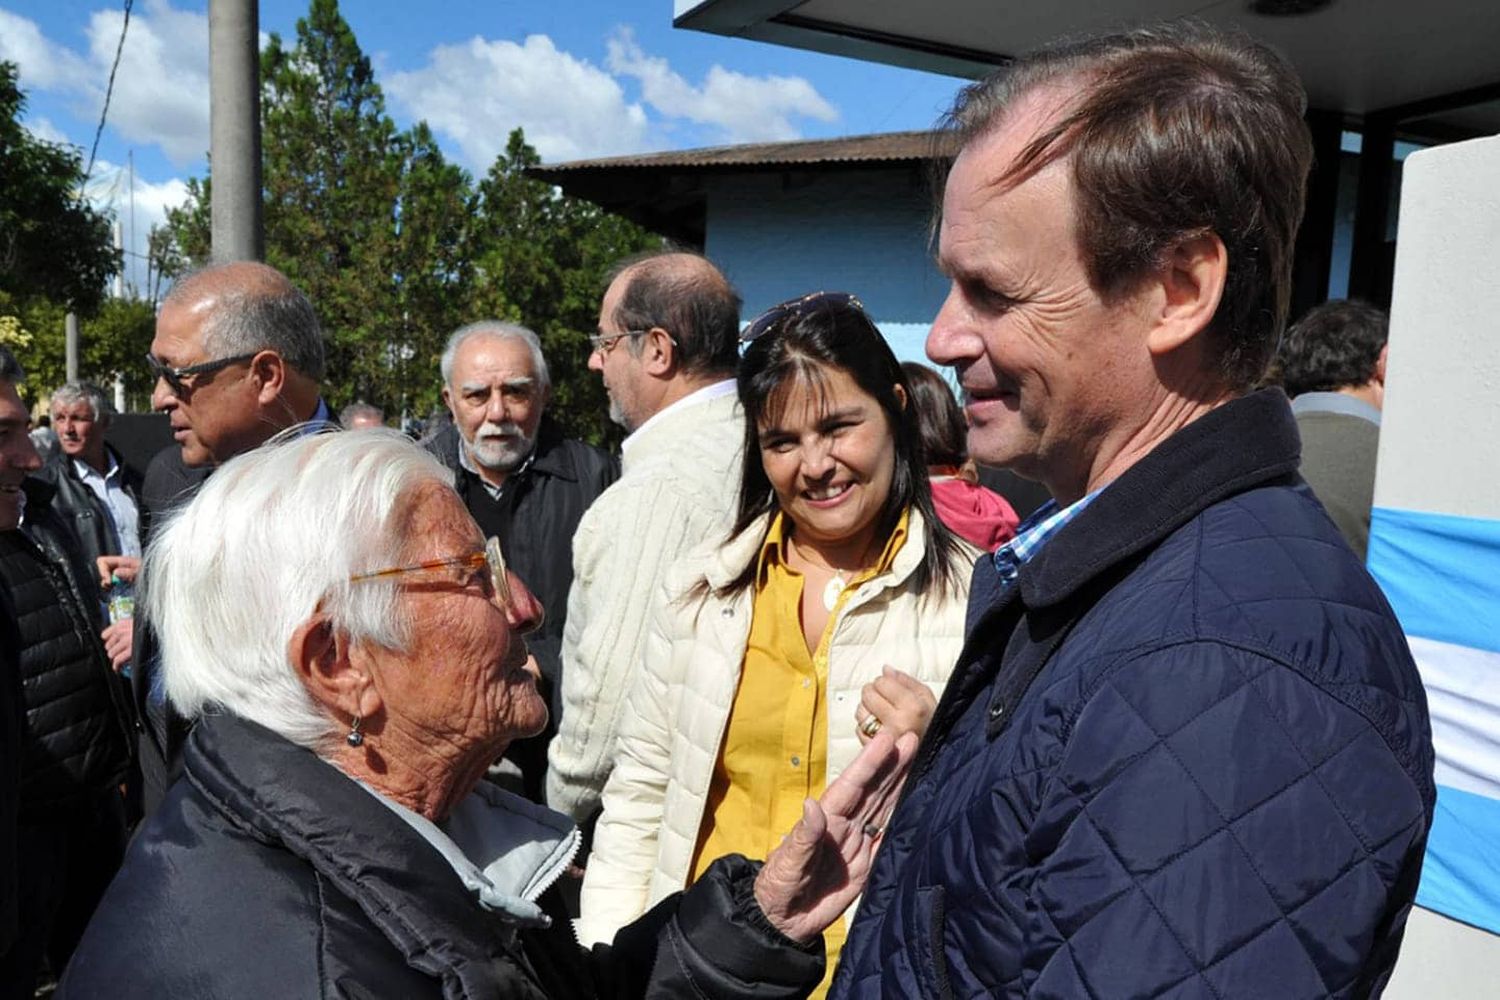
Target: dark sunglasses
{"points": [[175, 376], [777, 317]]}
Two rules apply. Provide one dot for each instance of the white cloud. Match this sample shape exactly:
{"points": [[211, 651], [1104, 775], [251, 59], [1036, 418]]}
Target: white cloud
{"points": [[743, 108], [136, 207], [43, 65], [43, 129], [476, 92], [161, 87]]}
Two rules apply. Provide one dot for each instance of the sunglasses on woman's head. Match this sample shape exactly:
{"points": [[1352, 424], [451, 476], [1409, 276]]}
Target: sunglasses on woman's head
{"points": [[777, 317]]}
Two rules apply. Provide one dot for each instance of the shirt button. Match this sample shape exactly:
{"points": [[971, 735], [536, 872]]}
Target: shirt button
{"points": [[807, 682], [796, 761], [727, 612]]}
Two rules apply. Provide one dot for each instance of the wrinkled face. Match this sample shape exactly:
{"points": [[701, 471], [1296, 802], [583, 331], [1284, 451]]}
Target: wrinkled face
{"points": [[463, 678], [621, 369], [496, 400], [830, 456], [1045, 363], [78, 433], [18, 455], [218, 416]]}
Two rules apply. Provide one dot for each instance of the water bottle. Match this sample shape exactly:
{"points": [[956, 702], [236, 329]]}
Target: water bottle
{"points": [[121, 606]]}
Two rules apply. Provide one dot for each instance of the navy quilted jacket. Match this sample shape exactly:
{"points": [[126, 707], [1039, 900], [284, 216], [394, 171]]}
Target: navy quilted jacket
{"points": [[1186, 755]]}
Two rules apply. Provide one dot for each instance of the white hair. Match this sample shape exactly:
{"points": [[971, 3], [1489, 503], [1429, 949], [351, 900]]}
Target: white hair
{"points": [[500, 330], [273, 535]]}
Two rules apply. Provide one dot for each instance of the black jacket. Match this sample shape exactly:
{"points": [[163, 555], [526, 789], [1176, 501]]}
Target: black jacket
{"points": [[12, 724], [535, 520], [82, 510], [77, 735], [268, 873]]}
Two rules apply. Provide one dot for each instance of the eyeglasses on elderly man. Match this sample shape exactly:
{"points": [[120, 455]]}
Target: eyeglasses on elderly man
{"points": [[334, 586]]}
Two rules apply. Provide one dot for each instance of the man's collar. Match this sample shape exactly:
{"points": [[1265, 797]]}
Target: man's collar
{"points": [[1335, 402], [1244, 443], [726, 387]]}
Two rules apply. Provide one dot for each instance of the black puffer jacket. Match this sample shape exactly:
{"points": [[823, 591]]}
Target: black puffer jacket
{"points": [[82, 510], [268, 873], [76, 740]]}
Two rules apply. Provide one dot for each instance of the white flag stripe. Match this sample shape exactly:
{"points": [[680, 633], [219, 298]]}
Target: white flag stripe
{"points": [[1461, 684]]}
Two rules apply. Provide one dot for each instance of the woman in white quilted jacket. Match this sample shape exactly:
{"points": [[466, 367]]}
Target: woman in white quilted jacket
{"points": [[834, 610]]}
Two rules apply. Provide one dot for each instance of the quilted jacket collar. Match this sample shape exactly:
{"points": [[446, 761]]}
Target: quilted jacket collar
{"points": [[284, 794], [1245, 443]]}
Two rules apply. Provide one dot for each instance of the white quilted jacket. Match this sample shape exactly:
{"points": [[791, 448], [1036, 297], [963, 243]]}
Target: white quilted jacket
{"points": [[679, 707]]}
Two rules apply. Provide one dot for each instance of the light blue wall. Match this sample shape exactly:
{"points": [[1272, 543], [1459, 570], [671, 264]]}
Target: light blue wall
{"points": [[780, 236]]}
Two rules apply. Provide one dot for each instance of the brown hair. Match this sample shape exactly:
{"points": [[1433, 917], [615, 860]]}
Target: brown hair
{"points": [[1173, 132], [941, 424]]}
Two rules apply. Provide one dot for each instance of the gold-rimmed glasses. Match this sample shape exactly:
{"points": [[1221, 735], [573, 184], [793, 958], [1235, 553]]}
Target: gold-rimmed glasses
{"points": [[490, 557]]}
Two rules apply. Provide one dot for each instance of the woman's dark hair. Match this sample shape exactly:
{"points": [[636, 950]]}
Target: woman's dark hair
{"points": [[945, 434], [794, 354]]}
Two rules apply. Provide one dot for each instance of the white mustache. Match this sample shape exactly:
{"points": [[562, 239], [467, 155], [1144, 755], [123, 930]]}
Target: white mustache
{"points": [[507, 429]]}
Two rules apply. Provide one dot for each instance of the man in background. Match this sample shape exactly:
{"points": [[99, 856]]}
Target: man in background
{"points": [[1332, 364], [667, 348], [358, 416], [523, 483]]}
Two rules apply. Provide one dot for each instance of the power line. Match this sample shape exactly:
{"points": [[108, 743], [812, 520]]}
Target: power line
{"points": [[108, 90]]}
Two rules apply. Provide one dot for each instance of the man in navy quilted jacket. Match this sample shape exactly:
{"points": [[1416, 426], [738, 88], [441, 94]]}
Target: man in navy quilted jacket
{"points": [[1185, 752]]}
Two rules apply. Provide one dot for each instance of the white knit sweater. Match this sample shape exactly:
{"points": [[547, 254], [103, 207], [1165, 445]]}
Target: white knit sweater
{"points": [[677, 489]]}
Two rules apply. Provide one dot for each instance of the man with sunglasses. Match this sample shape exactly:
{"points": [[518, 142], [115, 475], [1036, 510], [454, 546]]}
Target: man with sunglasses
{"points": [[237, 357], [667, 348]]}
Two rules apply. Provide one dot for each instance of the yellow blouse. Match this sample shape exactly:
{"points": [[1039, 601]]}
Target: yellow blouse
{"points": [[775, 749]]}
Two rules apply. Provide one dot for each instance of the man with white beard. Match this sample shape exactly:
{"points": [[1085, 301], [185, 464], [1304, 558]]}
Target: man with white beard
{"points": [[524, 483]]}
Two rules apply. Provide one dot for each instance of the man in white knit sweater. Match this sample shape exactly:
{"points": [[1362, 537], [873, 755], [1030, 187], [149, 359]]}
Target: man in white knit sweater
{"points": [[667, 350]]}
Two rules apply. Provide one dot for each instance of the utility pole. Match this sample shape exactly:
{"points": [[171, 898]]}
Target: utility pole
{"points": [[70, 346], [234, 126]]}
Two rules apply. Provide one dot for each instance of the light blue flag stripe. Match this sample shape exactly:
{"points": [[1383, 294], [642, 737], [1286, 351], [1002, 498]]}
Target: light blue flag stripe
{"points": [[1461, 875], [1442, 575]]}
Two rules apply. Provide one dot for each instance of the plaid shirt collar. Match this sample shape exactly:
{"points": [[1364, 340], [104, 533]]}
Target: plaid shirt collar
{"points": [[1046, 521]]}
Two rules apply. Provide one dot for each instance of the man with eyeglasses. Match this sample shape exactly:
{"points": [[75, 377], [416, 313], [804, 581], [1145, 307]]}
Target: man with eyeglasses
{"points": [[667, 348], [237, 357], [525, 485]]}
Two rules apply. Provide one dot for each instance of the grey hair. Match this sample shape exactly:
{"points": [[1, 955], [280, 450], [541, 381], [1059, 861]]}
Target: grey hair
{"points": [[266, 315], [85, 392], [274, 535], [500, 330], [10, 368], [353, 410]]}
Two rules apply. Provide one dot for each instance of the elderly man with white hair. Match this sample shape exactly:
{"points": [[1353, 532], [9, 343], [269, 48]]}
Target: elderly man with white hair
{"points": [[523, 482], [350, 646]]}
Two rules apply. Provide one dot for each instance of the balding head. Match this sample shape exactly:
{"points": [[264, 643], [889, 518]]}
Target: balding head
{"points": [[245, 354], [250, 307], [686, 295]]}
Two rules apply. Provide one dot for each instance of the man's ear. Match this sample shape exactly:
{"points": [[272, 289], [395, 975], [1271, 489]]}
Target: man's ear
{"points": [[321, 656], [270, 371], [1191, 280], [1379, 378], [448, 398], [659, 356]]}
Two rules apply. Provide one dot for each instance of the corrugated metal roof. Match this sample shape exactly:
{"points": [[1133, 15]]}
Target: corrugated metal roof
{"points": [[886, 147]]}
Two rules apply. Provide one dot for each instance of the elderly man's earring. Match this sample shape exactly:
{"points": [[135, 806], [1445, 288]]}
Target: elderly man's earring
{"points": [[871, 726], [355, 737]]}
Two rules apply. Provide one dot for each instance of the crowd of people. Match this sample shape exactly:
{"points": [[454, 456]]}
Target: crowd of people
{"points": [[781, 700]]}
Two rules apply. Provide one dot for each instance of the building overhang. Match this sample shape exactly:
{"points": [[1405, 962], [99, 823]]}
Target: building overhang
{"points": [[1357, 57]]}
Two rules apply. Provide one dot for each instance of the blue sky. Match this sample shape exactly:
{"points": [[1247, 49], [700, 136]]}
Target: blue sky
{"points": [[584, 78]]}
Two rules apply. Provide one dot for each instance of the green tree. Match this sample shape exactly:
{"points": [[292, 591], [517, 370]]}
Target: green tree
{"points": [[396, 247], [541, 259], [112, 340], [52, 244]]}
